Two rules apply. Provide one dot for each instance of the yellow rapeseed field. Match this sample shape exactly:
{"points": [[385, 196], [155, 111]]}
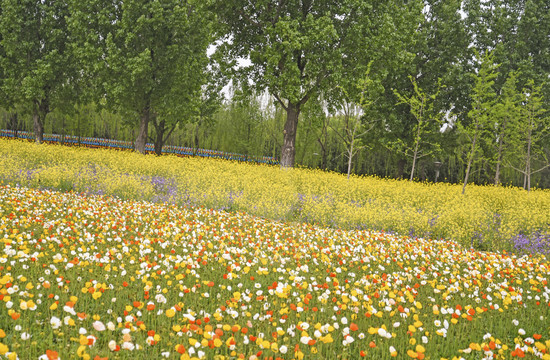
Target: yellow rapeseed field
{"points": [[486, 217]]}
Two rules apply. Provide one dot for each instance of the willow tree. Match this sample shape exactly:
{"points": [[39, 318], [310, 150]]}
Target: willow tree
{"points": [[299, 49]]}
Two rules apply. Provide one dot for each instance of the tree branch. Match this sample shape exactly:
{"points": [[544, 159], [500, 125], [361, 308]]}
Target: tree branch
{"points": [[250, 20], [170, 132], [346, 141], [315, 86], [280, 101], [515, 168], [539, 170], [397, 150]]}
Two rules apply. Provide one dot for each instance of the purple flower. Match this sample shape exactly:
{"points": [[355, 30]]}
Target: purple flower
{"points": [[535, 243]]}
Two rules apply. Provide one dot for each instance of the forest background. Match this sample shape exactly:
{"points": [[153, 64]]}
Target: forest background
{"points": [[450, 90]]}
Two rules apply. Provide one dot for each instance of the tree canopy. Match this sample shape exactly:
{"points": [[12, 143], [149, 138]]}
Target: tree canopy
{"points": [[302, 48]]}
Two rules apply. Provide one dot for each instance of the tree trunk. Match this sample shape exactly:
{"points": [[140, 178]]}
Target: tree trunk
{"points": [[324, 158], [159, 141], [197, 140], [324, 137], [499, 161], [471, 158], [78, 126], [323, 154], [288, 150], [414, 161], [62, 129], [141, 139], [350, 157], [401, 168], [528, 162], [302, 158], [38, 125], [13, 123], [417, 140]]}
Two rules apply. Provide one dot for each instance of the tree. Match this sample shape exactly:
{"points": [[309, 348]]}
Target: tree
{"points": [[299, 49], [534, 126], [437, 50], [210, 103], [317, 122], [506, 114], [36, 63], [355, 106], [516, 31], [156, 57], [192, 105], [483, 97], [428, 120], [4, 98], [88, 46]]}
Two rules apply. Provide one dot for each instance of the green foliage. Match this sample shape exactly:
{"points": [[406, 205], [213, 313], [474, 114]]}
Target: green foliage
{"points": [[156, 55], [356, 120], [533, 127], [88, 35], [516, 31], [483, 98], [299, 49], [428, 123], [36, 63], [503, 139]]}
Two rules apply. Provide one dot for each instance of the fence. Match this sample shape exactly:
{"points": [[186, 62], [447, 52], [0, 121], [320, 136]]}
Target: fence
{"points": [[128, 145]]}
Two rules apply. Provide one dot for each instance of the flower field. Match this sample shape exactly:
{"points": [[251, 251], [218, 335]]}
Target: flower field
{"points": [[485, 218], [97, 277]]}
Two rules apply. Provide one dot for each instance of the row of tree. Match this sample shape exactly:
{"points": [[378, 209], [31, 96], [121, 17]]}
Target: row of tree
{"points": [[393, 88], [145, 60]]}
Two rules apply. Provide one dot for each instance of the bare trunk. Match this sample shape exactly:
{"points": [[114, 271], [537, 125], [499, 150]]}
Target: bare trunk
{"points": [[417, 140], [323, 143], [350, 157], [78, 126], [414, 161], [470, 160], [141, 139], [288, 151], [63, 129], [528, 182], [302, 158]]}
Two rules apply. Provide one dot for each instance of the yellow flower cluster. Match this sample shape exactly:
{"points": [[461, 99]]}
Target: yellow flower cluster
{"points": [[486, 217], [96, 277]]}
